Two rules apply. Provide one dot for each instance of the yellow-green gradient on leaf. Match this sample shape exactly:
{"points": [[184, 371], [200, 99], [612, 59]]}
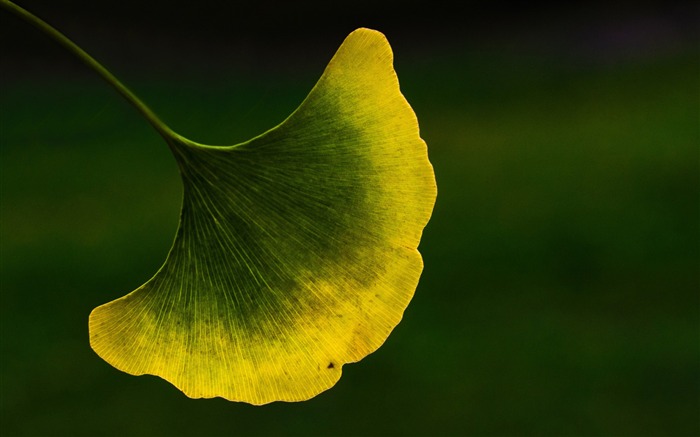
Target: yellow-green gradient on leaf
{"points": [[296, 251]]}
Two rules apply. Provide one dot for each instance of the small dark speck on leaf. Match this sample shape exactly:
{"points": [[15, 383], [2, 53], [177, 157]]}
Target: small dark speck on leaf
{"points": [[331, 365]]}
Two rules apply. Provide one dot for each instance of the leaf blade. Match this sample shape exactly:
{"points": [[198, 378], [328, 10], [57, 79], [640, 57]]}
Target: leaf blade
{"points": [[296, 251]]}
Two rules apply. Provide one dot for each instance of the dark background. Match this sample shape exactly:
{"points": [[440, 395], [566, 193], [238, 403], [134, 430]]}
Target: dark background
{"points": [[560, 290]]}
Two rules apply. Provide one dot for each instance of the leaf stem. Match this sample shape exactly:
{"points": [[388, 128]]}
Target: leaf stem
{"points": [[163, 129]]}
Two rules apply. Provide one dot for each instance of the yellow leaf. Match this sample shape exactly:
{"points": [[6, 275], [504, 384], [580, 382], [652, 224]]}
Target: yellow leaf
{"points": [[296, 251]]}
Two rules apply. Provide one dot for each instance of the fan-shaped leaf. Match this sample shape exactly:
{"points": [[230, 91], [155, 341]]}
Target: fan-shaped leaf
{"points": [[296, 251]]}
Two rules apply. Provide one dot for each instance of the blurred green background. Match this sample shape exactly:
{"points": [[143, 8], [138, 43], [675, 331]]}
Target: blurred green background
{"points": [[560, 290]]}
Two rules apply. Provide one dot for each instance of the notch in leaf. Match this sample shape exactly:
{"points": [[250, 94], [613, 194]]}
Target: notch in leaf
{"points": [[296, 251]]}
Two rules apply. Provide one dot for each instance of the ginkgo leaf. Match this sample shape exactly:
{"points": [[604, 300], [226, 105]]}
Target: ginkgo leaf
{"points": [[296, 251]]}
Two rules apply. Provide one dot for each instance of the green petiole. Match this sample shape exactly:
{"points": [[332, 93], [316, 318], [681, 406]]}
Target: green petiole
{"points": [[163, 129]]}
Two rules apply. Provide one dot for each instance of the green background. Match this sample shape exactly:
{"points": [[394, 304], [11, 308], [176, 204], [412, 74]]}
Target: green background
{"points": [[560, 290]]}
